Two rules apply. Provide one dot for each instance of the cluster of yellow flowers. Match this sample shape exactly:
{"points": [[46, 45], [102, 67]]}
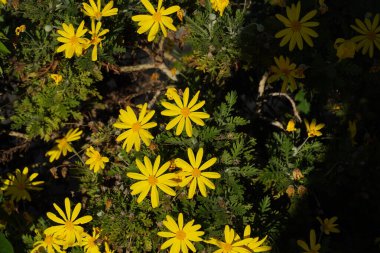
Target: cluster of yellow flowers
{"points": [[183, 110], [312, 128], [182, 235], [72, 40], [69, 232], [299, 30], [327, 226]]}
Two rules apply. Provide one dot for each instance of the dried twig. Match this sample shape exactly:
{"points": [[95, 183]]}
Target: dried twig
{"points": [[262, 84], [291, 101]]}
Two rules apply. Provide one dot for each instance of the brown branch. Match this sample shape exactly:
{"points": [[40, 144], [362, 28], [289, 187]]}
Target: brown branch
{"points": [[291, 101]]}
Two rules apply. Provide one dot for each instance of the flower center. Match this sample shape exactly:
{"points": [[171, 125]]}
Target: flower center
{"points": [[180, 235], [97, 157], [296, 26], [136, 127], [371, 36], [196, 172], [48, 239], [20, 186], [62, 144], [98, 15], [91, 242], [157, 17], [226, 247], [185, 112], [152, 180], [95, 40], [69, 225], [74, 40], [285, 71]]}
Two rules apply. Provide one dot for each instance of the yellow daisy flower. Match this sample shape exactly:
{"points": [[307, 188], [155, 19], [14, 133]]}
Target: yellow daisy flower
{"points": [[285, 71], [3, 1], [296, 30], [63, 145], [96, 39], [328, 225], [344, 48], [370, 35], [96, 161], [18, 184], [219, 5], [181, 236], [56, 77], [72, 41], [150, 178], [69, 229], [185, 112], [313, 129], [94, 10], [137, 127], [314, 247], [255, 244], [230, 245], [194, 173], [157, 19], [89, 241], [50, 244], [291, 127], [20, 29]]}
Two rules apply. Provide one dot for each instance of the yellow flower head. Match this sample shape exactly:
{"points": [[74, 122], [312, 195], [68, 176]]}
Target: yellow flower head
{"points": [[297, 174], [219, 5], [291, 127], [94, 10], [152, 178], [254, 244], [194, 173], [369, 35], [344, 48], [72, 41], [169, 93], [185, 112], [50, 244], [296, 30], [232, 242], [180, 14], [89, 242], [314, 247], [3, 1], [181, 235], [63, 145], [313, 129], [20, 29], [18, 184], [96, 39], [285, 71], [157, 19], [137, 128], [281, 3], [328, 225], [56, 77], [96, 161], [69, 229]]}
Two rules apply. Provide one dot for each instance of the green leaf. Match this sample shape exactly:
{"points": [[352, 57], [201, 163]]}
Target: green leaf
{"points": [[303, 105], [5, 245], [4, 49]]}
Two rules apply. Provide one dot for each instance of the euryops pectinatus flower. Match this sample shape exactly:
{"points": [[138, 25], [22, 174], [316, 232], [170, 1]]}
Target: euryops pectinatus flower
{"points": [[185, 112], [181, 235], [69, 229], [297, 30], [72, 41], [313, 128], [152, 178], [137, 127], [369, 35], [63, 145], [157, 19], [94, 10], [314, 246], [18, 184], [194, 173], [95, 160]]}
